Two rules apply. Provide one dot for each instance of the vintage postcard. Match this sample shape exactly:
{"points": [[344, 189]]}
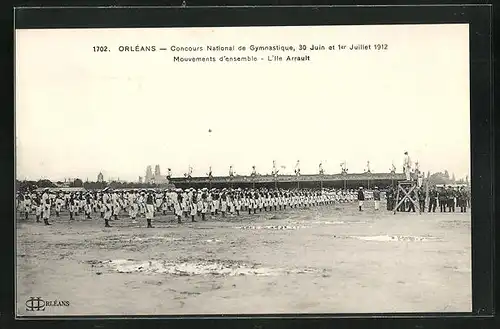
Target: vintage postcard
{"points": [[243, 170]]}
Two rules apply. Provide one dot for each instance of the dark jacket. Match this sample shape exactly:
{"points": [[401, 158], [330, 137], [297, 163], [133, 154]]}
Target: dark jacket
{"points": [[376, 195], [433, 194], [390, 194], [361, 196], [421, 195]]}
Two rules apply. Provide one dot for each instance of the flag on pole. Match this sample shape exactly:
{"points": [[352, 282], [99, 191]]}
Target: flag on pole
{"points": [[190, 171], [275, 171], [393, 168], [297, 168], [343, 167]]}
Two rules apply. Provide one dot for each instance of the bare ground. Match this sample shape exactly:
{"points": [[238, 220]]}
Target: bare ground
{"points": [[328, 259]]}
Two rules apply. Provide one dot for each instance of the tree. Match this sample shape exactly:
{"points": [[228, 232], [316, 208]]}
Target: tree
{"points": [[26, 185], [440, 178], [76, 183], [43, 183], [94, 185]]}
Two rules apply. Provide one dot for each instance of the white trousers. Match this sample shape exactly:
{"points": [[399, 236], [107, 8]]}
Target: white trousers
{"points": [[46, 212], [149, 211]]}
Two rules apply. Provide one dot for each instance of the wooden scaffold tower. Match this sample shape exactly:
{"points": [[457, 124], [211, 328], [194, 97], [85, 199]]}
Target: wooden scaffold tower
{"points": [[404, 193]]}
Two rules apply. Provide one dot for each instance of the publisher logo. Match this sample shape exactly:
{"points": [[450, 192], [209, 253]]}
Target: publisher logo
{"points": [[35, 304], [38, 304]]}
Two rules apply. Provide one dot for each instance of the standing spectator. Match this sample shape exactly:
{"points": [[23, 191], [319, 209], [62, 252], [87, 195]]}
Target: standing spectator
{"points": [[443, 199], [421, 199], [390, 198], [361, 198], [376, 198], [433, 199]]}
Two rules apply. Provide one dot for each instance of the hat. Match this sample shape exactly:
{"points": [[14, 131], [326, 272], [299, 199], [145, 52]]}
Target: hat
{"points": [[361, 187], [376, 187]]}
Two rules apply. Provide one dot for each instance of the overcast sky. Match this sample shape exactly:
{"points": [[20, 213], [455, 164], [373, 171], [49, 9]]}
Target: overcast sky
{"points": [[79, 112]]}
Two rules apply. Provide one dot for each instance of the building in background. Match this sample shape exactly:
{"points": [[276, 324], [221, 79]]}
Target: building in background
{"points": [[100, 178], [116, 180], [157, 178], [149, 175]]}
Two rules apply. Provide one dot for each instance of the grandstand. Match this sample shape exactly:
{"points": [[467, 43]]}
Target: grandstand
{"points": [[349, 181]]}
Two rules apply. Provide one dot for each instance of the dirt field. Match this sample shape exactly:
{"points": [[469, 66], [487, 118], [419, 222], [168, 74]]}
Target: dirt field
{"points": [[327, 259]]}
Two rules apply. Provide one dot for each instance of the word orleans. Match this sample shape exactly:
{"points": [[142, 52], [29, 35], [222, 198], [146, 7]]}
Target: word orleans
{"points": [[253, 48], [39, 304]]}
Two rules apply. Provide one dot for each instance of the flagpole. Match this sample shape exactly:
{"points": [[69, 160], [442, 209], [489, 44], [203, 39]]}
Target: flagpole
{"points": [[275, 174], [321, 173], [210, 158], [210, 177], [344, 173], [297, 173], [254, 173]]}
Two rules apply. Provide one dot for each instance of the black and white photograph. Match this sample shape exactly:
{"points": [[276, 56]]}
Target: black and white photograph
{"points": [[243, 170]]}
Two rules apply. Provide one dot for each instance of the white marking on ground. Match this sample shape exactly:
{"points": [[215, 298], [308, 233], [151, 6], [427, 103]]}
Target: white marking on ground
{"points": [[394, 238], [271, 227], [196, 268], [323, 222], [162, 238]]}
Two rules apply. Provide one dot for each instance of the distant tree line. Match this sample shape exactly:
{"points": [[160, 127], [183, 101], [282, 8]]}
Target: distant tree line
{"points": [[28, 185], [25, 185], [444, 178]]}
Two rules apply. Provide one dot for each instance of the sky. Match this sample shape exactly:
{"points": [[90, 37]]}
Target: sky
{"points": [[80, 112]]}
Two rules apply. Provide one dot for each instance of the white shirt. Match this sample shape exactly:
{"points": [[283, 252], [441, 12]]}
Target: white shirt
{"points": [[407, 161], [45, 197]]}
